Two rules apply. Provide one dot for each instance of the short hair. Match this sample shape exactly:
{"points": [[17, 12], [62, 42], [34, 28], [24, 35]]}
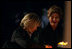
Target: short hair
{"points": [[29, 20], [55, 9]]}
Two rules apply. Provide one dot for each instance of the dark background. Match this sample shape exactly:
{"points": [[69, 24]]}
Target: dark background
{"points": [[11, 14]]}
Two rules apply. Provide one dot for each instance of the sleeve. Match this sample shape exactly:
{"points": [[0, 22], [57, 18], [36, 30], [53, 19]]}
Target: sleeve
{"points": [[19, 39], [5, 45]]}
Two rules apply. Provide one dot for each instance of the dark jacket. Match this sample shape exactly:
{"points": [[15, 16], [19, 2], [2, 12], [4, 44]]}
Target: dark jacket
{"points": [[20, 39], [52, 37]]}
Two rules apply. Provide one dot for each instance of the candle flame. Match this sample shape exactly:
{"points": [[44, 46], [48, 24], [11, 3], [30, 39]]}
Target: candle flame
{"points": [[48, 46], [63, 43]]}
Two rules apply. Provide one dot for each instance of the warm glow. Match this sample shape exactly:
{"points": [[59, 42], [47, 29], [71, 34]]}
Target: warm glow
{"points": [[48, 46], [63, 43]]}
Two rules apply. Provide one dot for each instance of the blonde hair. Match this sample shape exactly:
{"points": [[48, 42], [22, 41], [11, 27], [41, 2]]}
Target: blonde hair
{"points": [[30, 20]]}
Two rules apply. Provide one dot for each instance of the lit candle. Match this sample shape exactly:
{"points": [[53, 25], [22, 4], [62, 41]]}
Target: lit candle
{"points": [[62, 44], [48, 46]]}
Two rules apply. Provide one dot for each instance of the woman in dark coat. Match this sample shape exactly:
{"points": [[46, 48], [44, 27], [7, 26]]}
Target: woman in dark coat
{"points": [[26, 35], [52, 34]]}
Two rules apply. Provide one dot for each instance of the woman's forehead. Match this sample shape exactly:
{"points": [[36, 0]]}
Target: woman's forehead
{"points": [[55, 15]]}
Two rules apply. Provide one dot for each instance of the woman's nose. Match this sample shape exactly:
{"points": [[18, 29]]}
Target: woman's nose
{"points": [[54, 19]]}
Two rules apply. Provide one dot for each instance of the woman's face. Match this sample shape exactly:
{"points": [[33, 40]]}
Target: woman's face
{"points": [[54, 19], [31, 30]]}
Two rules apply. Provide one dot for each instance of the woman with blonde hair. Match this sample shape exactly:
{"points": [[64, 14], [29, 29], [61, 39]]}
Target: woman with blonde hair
{"points": [[25, 36], [30, 22]]}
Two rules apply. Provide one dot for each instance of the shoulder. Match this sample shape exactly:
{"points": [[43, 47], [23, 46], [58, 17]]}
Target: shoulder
{"points": [[18, 33]]}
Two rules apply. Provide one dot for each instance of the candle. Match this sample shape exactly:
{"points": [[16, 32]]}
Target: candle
{"points": [[48, 46], [62, 44]]}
